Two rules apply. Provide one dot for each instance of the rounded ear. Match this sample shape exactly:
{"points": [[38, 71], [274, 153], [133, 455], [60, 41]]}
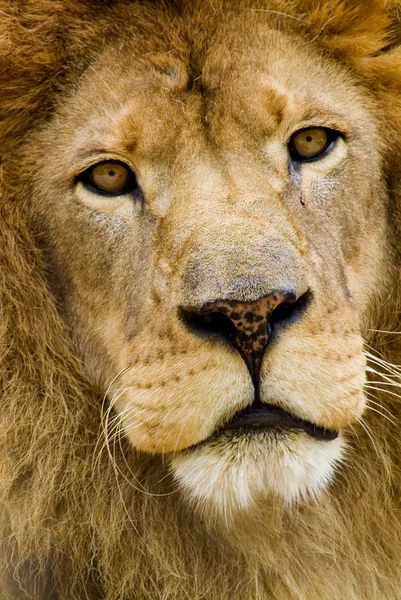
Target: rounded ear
{"points": [[366, 34], [384, 66], [351, 28]]}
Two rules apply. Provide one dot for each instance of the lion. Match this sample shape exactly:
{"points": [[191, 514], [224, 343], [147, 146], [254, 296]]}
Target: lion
{"points": [[200, 299]]}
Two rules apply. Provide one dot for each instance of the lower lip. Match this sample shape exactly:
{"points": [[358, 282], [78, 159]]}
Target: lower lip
{"points": [[265, 416]]}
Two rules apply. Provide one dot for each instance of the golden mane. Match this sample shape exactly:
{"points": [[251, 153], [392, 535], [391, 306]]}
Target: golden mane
{"points": [[78, 523]]}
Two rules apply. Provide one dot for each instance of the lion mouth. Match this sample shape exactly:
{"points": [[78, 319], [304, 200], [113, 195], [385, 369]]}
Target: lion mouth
{"points": [[265, 416]]}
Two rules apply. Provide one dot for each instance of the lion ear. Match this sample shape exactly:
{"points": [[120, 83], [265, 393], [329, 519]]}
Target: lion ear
{"points": [[384, 65], [351, 27], [363, 33]]}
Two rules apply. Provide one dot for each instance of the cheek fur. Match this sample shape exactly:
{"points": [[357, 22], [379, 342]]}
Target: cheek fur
{"points": [[168, 405]]}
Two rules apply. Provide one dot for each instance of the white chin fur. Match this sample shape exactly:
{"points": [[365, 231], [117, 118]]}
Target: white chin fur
{"points": [[229, 474]]}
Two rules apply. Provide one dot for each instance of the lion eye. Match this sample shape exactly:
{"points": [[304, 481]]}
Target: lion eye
{"points": [[309, 144], [110, 178]]}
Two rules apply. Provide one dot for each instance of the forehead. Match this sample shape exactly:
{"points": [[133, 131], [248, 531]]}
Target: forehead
{"points": [[239, 72]]}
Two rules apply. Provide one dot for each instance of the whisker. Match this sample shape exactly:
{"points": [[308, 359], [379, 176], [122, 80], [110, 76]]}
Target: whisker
{"points": [[389, 392], [381, 362], [382, 375], [384, 331], [144, 491], [368, 432], [112, 428], [384, 383], [370, 396], [368, 407], [102, 414]]}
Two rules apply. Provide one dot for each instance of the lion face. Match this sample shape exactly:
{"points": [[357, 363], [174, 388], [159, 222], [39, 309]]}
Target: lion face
{"points": [[213, 226]]}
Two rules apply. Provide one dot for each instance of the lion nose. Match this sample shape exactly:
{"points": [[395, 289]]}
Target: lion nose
{"points": [[249, 326]]}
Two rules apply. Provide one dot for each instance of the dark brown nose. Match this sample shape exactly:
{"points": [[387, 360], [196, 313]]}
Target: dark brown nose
{"points": [[249, 325]]}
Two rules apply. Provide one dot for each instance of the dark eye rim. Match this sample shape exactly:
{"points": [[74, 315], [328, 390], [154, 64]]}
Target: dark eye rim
{"points": [[130, 187], [332, 137]]}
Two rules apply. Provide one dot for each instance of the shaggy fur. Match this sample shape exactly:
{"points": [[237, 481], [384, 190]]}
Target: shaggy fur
{"points": [[78, 524]]}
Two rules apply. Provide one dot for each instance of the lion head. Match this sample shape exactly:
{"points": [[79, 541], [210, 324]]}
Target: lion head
{"points": [[200, 222]]}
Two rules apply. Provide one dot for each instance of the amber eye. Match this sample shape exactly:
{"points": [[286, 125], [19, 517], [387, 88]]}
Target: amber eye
{"points": [[311, 144], [110, 178]]}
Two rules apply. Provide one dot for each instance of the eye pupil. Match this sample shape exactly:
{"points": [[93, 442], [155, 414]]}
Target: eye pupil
{"points": [[312, 143], [109, 178]]}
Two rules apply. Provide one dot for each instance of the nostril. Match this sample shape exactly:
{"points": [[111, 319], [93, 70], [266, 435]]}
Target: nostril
{"points": [[288, 312], [214, 323], [248, 326]]}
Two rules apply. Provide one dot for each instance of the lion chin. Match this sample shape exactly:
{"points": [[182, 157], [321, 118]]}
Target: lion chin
{"points": [[232, 473]]}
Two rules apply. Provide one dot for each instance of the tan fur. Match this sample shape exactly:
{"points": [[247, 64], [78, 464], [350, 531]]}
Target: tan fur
{"points": [[104, 389]]}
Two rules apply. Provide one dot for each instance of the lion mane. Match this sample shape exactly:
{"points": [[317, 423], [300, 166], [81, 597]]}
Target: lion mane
{"points": [[78, 523]]}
